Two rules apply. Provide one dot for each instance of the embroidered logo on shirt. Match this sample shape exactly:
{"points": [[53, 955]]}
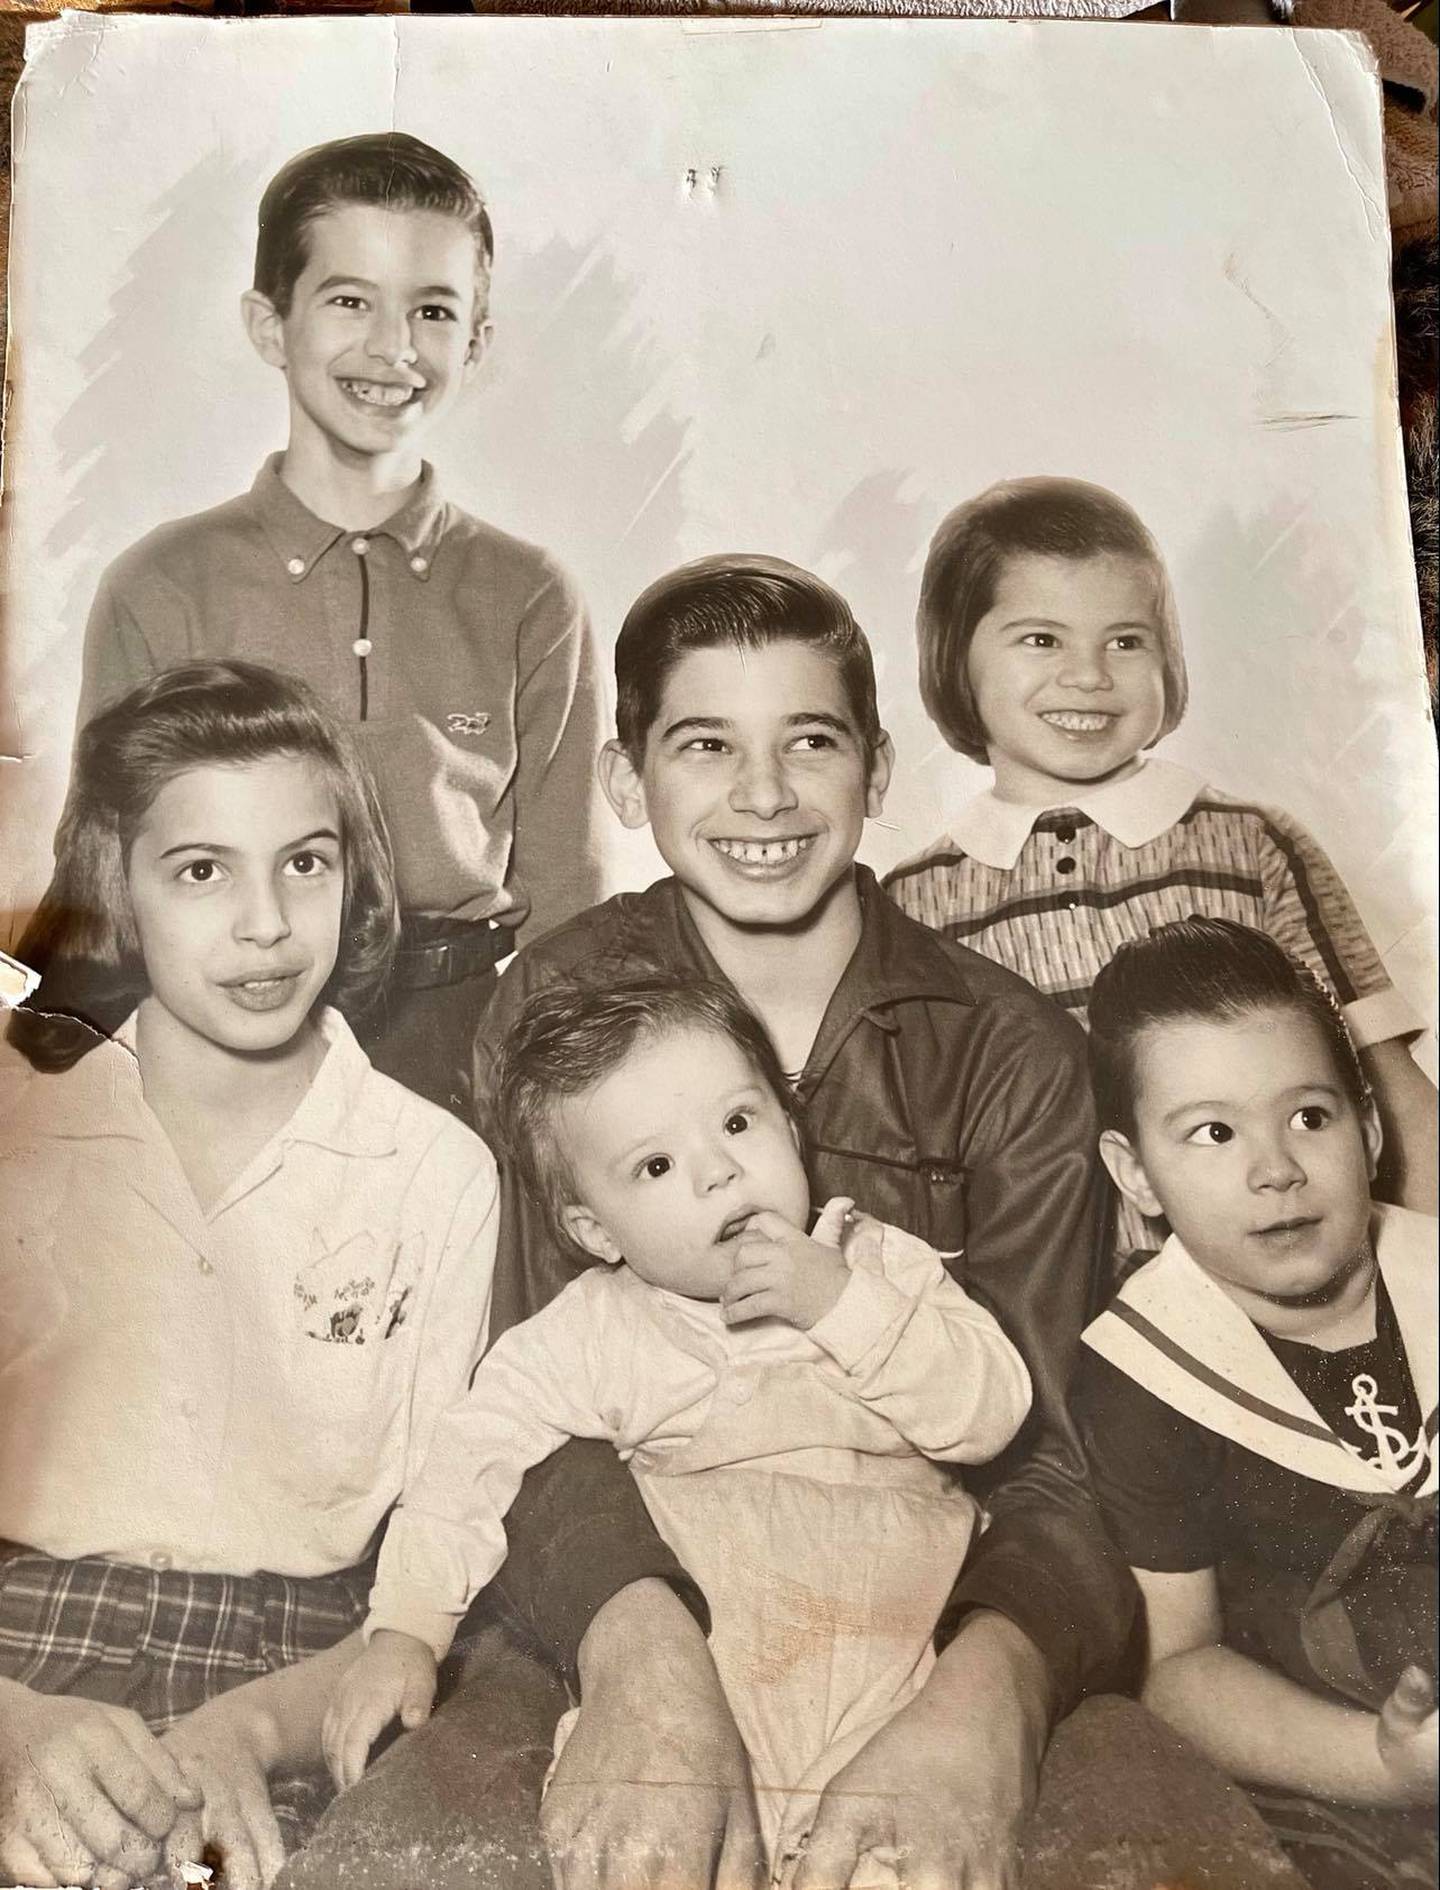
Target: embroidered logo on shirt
{"points": [[475, 723], [1395, 1454], [352, 1290]]}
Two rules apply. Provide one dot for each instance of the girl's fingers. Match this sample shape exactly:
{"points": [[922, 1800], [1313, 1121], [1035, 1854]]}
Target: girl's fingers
{"points": [[132, 1785], [417, 1700], [161, 1764], [83, 1817], [364, 1728], [22, 1863], [830, 1227]]}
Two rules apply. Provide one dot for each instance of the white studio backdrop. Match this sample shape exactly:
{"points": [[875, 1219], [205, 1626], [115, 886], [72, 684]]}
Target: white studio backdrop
{"points": [[786, 287]]}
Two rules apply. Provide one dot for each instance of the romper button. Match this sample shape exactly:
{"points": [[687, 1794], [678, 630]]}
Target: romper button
{"points": [[418, 566], [1067, 865], [359, 546], [296, 567], [161, 1561], [362, 646]]}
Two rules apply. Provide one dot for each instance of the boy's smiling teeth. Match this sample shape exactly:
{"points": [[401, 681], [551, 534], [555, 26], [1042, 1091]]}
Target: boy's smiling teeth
{"points": [[762, 852], [1077, 721], [379, 393]]}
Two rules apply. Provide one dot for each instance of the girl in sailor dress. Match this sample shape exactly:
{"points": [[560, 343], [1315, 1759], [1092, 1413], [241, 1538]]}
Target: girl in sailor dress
{"points": [[1259, 1400]]}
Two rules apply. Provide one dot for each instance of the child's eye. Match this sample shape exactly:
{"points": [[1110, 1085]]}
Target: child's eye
{"points": [[308, 865], [436, 312], [1040, 640], [816, 741], [1131, 640], [704, 745], [347, 301], [1211, 1135], [738, 1121], [655, 1167], [1312, 1116], [199, 872]]}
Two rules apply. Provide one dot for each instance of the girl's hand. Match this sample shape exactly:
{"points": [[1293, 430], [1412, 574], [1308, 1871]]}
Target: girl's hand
{"points": [[224, 1750], [87, 1793], [781, 1273], [393, 1678], [1406, 1734]]}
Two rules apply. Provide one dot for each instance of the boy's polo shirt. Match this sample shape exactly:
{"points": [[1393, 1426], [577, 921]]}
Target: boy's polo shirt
{"points": [[1053, 892], [476, 705], [241, 1387]]}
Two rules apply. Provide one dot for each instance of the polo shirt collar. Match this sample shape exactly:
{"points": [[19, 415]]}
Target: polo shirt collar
{"points": [[1133, 811], [300, 539]]}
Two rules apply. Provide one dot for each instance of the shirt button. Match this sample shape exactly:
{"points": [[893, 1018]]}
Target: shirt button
{"points": [[1065, 835], [1071, 903], [935, 1176], [160, 1561], [206, 1268], [362, 646], [296, 567], [1067, 865], [738, 1392], [359, 546], [419, 566]]}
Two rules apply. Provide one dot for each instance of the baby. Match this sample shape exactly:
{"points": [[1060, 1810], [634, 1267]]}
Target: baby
{"points": [[788, 1403]]}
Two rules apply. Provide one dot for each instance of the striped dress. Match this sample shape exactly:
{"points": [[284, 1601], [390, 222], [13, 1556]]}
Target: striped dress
{"points": [[1053, 893]]}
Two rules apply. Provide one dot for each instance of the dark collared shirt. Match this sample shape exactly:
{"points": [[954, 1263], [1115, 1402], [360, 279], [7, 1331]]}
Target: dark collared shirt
{"points": [[947, 1096], [475, 703]]}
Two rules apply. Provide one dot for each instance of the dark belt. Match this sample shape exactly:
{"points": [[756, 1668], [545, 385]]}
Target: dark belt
{"points": [[436, 951]]}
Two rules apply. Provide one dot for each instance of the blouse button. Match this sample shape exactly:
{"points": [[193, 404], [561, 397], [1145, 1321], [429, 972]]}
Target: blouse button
{"points": [[419, 566], [359, 546], [1065, 835], [1067, 865], [362, 646], [296, 567]]}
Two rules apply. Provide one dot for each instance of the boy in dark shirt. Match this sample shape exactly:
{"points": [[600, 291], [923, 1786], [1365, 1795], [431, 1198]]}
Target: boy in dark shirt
{"points": [[460, 656], [1259, 1401]]}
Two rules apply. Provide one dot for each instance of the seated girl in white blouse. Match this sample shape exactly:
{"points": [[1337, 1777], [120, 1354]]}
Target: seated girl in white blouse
{"points": [[791, 1405], [242, 1275]]}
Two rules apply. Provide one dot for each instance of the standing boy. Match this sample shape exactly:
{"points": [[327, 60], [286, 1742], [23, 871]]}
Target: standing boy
{"points": [[460, 655]]}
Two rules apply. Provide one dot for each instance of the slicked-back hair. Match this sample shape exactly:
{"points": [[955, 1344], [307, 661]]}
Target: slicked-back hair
{"points": [[387, 169], [741, 601], [83, 939], [1052, 518], [1214, 970], [569, 1037]]}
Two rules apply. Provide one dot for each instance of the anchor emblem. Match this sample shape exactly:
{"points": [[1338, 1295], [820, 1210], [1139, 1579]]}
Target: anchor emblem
{"points": [[1395, 1454]]}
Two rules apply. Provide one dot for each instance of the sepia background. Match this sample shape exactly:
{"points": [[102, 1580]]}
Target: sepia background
{"points": [[789, 287]]}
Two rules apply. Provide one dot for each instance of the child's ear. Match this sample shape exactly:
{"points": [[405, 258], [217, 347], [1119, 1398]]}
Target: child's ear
{"points": [[1374, 1135], [882, 766], [583, 1228], [264, 326], [622, 786], [479, 347], [1128, 1173]]}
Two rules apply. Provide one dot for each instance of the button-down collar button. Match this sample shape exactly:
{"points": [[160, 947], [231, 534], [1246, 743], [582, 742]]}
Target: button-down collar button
{"points": [[362, 646], [359, 546], [160, 1561], [419, 565], [296, 567]]}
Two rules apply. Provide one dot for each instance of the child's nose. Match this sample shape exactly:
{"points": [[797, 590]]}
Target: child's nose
{"points": [[1274, 1166], [390, 339], [1085, 669], [262, 918], [716, 1168], [762, 787]]}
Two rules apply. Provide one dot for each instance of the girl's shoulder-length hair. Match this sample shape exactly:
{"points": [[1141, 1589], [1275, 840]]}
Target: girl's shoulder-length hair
{"points": [[82, 938]]}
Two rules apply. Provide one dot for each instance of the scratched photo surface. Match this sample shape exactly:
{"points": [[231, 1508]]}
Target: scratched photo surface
{"points": [[783, 288]]}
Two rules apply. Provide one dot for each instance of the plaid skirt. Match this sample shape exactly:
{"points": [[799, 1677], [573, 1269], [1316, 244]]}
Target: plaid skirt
{"points": [[162, 1642]]}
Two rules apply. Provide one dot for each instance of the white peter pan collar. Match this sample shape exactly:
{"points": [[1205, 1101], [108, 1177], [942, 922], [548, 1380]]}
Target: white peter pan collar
{"points": [[1134, 811]]}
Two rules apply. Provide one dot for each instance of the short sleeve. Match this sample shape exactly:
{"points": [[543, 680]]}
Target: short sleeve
{"points": [[1155, 1473], [1309, 911]]}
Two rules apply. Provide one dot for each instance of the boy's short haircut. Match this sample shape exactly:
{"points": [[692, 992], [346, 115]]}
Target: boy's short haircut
{"points": [[389, 170], [743, 601], [1211, 969], [1055, 518], [569, 1037], [83, 937]]}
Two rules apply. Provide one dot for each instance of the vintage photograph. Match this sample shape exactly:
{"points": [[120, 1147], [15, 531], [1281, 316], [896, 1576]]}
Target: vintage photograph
{"points": [[718, 770]]}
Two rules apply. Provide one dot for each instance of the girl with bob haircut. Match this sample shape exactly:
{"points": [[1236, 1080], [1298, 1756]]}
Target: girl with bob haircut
{"points": [[1049, 649], [274, 1260]]}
